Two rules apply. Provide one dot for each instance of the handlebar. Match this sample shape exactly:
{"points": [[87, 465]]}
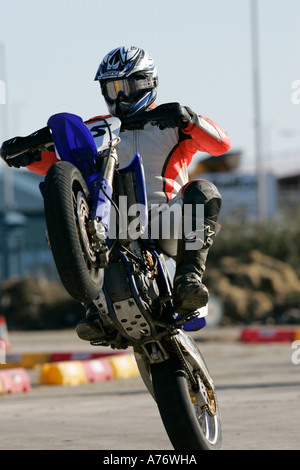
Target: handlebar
{"points": [[38, 140], [42, 138]]}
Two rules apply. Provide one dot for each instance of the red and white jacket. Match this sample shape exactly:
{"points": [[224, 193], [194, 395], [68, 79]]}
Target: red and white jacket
{"points": [[166, 154]]}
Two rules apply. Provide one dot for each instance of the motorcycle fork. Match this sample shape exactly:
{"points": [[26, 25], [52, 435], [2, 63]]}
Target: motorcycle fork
{"points": [[157, 354], [202, 386]]}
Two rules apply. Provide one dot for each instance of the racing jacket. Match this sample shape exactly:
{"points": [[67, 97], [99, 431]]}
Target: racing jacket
{"points": [[166, 154]]}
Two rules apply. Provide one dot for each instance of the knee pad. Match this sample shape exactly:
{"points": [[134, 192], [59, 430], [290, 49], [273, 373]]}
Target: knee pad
{"points": [[204, 192]]}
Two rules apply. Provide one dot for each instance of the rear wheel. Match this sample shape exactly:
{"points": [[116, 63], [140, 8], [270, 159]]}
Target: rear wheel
{"points": [[189, 424], [66, 203]]}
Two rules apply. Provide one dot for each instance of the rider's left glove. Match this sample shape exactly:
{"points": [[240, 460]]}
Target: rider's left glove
{"points": [[180, 121], [24, 159]]}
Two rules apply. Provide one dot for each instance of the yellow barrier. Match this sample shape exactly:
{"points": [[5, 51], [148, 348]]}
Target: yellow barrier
{"points": [[76, 373], [63, 373], [124, 366]]}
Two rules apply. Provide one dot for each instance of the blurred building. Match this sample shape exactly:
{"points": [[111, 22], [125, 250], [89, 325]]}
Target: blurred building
{"points": [[239, 188], [289, 191], [23, 247], [287, 174]]}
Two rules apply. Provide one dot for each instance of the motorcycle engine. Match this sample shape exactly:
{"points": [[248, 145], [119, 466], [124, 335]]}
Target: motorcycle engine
{"points": [[145, 273], [145, 278]]}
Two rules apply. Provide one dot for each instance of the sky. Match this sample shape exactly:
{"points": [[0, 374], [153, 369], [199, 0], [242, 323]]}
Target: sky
{"points": [[50, 52]]}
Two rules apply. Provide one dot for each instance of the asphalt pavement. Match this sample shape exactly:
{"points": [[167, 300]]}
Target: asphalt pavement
{"points": [[258, 388]]}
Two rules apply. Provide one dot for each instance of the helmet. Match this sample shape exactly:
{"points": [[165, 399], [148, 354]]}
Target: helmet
{"points": [[128, 80]]}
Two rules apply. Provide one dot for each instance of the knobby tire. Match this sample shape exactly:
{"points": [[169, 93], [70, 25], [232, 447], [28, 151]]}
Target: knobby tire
{"points": [[62, 184]]}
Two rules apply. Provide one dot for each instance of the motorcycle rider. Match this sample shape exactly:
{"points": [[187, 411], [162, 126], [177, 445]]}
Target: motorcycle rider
{"points": [[128, 81]]}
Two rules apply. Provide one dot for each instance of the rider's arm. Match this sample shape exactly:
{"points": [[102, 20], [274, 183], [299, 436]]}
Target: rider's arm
{"points": [[207, 136], [202, 133], [42, 166]]}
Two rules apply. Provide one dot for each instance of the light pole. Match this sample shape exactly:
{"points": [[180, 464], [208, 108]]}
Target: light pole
{"points": [[260, 170]]}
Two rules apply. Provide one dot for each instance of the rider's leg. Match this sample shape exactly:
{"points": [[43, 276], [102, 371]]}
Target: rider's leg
{"points": [[202, 202], [189, 292]]}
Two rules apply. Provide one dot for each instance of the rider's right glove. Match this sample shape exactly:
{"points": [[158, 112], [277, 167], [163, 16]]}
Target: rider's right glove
{"points": [[24, 159]]}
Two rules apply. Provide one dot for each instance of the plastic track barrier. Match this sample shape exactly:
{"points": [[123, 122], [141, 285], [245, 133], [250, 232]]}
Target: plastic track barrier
{"points": [[124, 366], [94, 370], [269, 335], [14, 380], [63, 373], [98, 370]]}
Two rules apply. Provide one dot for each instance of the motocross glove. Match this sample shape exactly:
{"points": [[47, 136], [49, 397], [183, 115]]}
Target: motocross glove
{"points": [[183, 116], [24, 159]]}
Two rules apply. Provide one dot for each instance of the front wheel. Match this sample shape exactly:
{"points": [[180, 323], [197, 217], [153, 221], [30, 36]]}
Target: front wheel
{"points": [[66, 203], [189, 424]]}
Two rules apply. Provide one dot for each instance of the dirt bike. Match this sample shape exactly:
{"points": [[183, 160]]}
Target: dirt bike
{"points": [[127, 278]]}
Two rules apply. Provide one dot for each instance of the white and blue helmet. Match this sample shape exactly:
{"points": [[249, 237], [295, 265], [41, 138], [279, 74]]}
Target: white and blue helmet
{"points": [[128, 80]]}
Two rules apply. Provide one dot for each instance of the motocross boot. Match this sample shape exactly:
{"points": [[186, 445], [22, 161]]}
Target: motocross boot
{"points": [[189, 293], [90, 327]]}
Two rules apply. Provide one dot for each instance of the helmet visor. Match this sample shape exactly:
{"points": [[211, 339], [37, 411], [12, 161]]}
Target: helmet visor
{"points": [[128, 87]]}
